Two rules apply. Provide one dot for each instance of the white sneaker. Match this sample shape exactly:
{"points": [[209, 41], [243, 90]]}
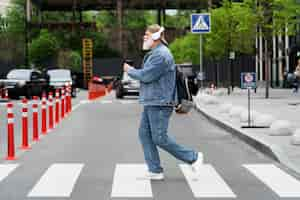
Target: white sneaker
{"points": [[153, 176], [196, 166]]}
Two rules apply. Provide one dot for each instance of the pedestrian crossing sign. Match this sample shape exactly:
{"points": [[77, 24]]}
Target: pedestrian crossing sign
{"points": [[200, 23]]}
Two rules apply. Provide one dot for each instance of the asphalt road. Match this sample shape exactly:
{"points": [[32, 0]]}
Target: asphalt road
{"points": [[95, 154]]}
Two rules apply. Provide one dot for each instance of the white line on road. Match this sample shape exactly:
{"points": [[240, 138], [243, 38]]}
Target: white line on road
{"points": [[85, 101], [207, 183], [106, 102], [76, 106], [58, 181], [280, 182], [127, 182], [6, 169], [127, 102]]}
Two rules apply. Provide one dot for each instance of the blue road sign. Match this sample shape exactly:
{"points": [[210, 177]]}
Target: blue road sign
{"points": [[248, 80], [200, 23]]}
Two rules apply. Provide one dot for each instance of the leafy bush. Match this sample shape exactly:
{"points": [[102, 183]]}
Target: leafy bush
{"points": [[43, 48], [186, 49], [68, 59]]}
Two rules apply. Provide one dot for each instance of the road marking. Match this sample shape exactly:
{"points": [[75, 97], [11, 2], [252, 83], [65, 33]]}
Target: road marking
{"points": [[106, 102], [127, 102], [207, 183], [85, 101], [6, 169], [128, 183], [58, 181], [280, 182], [76, 106]]}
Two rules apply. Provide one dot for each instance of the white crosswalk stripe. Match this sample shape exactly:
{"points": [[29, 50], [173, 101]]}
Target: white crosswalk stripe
{"points": [[58, 181], [207, 183], [279, 181], [128, 181], [5, 170]]}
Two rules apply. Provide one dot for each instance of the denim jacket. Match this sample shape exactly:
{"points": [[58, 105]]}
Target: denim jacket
{"points": [[157, 78]]}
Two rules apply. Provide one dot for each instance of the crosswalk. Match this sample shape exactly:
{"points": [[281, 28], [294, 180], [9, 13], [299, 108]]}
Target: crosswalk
{"points": [[59, 181]]}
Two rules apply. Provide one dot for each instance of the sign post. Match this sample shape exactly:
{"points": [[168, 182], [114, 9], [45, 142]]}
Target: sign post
{"points": [[200, 24], [248, 81]]}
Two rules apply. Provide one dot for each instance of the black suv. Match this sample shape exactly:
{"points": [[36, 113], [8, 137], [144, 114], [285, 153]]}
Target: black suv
{"points": [[24, 82]]}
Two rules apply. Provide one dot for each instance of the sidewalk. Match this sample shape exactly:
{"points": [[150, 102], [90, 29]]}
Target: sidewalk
{"points": [[282, 105]]}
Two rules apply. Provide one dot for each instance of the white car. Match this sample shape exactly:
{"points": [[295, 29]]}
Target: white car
{"points": [[59, 78]]}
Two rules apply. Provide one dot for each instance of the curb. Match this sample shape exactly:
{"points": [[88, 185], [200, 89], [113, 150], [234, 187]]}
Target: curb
{"points": [[272, 152]]}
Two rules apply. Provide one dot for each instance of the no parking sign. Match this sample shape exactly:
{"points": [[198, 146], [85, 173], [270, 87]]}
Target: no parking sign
{"points": [[248, 80]]}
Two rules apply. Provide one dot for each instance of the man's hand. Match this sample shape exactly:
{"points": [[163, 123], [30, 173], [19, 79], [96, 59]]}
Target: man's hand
{"points": [[126, 67]]}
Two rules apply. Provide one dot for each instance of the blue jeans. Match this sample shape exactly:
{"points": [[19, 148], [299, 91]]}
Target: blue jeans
{"points": [[153, 133]]}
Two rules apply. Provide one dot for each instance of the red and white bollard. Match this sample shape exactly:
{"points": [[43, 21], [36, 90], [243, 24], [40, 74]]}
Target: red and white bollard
{"points": [[10, 133], [57, 107], [62, 103], [50, 103], [25, 144], [35, 120], [68, 99], [44, 114]]}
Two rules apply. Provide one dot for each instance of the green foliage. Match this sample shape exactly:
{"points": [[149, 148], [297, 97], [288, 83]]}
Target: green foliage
{"points": [[180, 20], [286, 13], [43, 48], [15, 17], [186, 49], [233, 29], [132, 18], [69, 59], [106, 19], [75, 61]]}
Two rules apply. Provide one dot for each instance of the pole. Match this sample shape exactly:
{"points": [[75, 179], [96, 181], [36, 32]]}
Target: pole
{"points": [[26, 23], [267, 70], [249, 114], [201, 60]]}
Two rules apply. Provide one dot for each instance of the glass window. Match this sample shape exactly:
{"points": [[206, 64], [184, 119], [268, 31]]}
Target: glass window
{"points": [[60, 75], [19, 74]]}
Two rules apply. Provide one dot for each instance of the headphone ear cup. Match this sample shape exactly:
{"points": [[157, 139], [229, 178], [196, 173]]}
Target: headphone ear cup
{"points": [[156, 36]]}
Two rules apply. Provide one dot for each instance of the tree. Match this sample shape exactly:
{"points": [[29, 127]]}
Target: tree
{"points": [[69, 59], [186, 49], [179, 20], [239, 38], [43, 48], [3, 24], [16, 18]]}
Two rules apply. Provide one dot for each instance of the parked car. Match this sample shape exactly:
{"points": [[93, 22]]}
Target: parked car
{"points": [[188, 71], [126, 86], [59, 78], [24, 82]]}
